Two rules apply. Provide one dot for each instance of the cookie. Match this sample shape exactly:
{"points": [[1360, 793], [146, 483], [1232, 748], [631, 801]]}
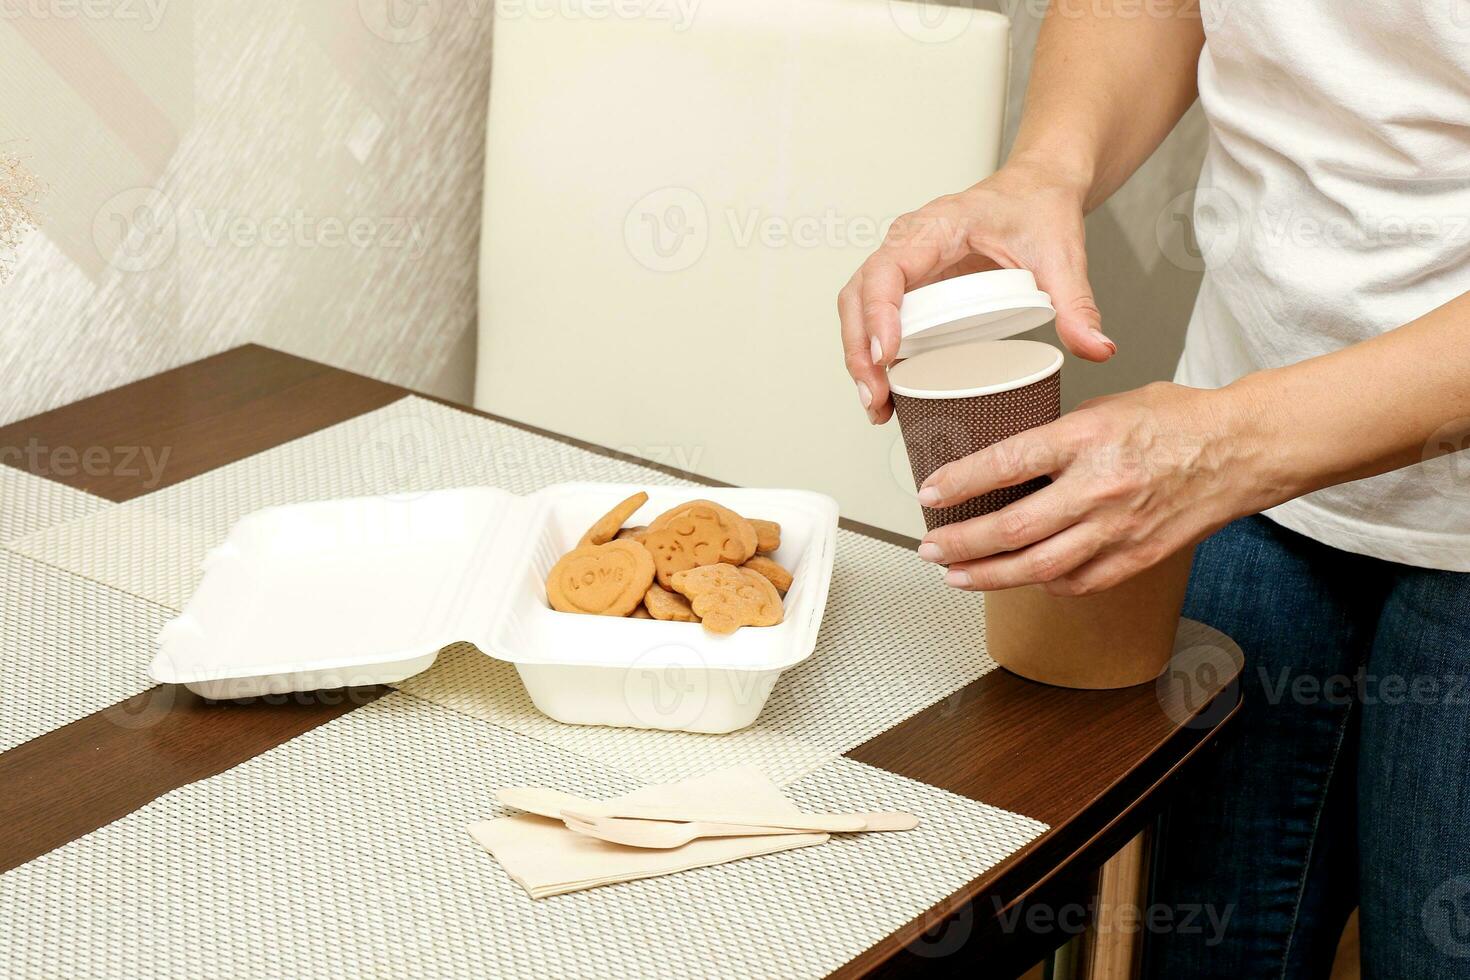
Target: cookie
{"points": [[726, 598], [601, 579], [609, 524], [698, 533], [768, 567], [632, 533], [767, 536], [709, 510], [668, 606], [641, 613]]}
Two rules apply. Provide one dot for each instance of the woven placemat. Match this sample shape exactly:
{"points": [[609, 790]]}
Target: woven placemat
{"points": [[30, 503], [892, 643], [343, 853], [151, 546], [68, 648]]}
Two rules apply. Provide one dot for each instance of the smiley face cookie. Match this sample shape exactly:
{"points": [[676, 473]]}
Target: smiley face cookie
{"points": [[698, 533], [609, 524], [601, 579], [726, 598]]}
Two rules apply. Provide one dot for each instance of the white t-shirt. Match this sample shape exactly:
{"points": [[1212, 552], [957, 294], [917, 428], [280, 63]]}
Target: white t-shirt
{"points": [[1334, 205]]}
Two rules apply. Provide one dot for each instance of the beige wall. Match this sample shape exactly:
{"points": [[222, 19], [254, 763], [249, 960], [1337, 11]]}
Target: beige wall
{"points": [[302, 173], [1144, 271], [305, 173]]}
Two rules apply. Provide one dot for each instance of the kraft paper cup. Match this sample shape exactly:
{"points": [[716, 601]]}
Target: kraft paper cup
{"points": [[1117, 638], [958, 400]]}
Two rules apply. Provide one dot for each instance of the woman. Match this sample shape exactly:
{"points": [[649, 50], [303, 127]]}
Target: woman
{"points": [[1311, 444]]}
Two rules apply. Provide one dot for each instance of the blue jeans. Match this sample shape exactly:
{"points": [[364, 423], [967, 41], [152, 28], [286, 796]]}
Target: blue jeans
{"points": [[1343, 781]]}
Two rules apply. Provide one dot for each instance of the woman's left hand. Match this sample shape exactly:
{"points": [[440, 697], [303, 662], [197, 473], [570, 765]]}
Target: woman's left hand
{"points": [[1135, 477]]}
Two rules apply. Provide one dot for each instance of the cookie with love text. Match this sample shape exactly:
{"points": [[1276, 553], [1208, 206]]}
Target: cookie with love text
{"points": [[601, 579]]}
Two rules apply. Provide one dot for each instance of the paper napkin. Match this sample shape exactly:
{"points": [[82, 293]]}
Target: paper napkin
{"points": [[545, 858]]}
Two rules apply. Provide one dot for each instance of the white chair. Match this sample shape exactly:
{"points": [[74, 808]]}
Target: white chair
{"points": [[672, 204]]}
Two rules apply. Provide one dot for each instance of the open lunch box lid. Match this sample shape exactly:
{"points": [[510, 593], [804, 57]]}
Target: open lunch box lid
{"points": [[368, 590], [980, 306]]}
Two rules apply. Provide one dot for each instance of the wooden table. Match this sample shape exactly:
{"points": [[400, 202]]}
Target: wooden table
{"points": [[1093, 765]]}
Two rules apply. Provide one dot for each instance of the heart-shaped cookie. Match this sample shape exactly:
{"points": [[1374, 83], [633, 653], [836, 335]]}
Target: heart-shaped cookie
{"points": [[601, 579], [726, 598], [700, 532]]}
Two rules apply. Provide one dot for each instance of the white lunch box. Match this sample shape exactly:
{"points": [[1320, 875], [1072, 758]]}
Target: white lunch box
{"points": [[343, 593]]}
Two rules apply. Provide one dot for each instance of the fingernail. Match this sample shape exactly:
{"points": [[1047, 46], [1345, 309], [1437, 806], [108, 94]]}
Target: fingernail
{"points": [[1108, 340], [876, 351], [957, 577], [929, 551], [865, 395], [930, 497]]}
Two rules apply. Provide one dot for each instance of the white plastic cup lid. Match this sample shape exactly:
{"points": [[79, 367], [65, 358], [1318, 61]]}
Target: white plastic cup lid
{"points": [[980, 306]]}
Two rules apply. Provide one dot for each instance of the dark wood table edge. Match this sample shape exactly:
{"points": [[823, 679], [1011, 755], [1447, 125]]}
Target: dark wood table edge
{"points": [[993, 882], [1103, 841]]}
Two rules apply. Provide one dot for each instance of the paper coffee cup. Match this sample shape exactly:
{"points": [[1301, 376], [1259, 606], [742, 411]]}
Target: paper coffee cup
{"points": [[1116, 638], [958, 400]]}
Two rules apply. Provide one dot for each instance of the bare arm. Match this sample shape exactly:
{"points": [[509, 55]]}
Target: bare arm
{"points": [[1366, 409], [1110, 79], [1139, 475], [1108, 83]]}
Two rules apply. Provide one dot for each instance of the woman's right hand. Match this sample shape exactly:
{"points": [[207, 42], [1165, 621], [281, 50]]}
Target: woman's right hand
{"points": [[1021, 217]]}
